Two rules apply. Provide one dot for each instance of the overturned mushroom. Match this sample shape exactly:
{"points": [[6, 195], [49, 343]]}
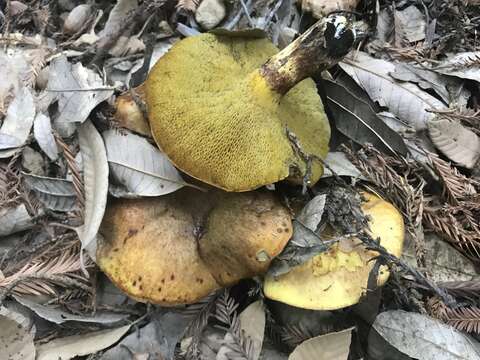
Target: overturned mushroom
{"points": [[234, 112], [164, 250], [338, 278]]}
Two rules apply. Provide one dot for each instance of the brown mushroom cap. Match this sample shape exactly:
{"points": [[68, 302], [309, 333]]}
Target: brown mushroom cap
{"points": [[150, 247]]}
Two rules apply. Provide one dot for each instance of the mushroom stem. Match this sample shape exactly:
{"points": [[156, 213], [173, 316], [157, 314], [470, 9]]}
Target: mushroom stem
{"points": [[320, 47]]}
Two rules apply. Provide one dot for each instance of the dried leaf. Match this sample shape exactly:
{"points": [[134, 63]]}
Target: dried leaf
{"points": [[333, 346], [16, 339], [42, 130], [58, 316], [357, 120], [144, 340], [55, 194], [14, 219], [464, 65], [305, 243], [188, 6], [78, 91], [422, 337], [450, 89], [95, 176], [455, 141], [443, 261], [252, 324], [18, 122], [409, 24], [405, 100], [320, 8], [338, 162], [79, 345], [139, 166]]}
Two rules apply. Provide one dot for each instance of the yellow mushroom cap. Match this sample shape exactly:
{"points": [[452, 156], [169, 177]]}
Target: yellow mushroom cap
{"points": [[338, 278], [215, 116], [150, 247]]}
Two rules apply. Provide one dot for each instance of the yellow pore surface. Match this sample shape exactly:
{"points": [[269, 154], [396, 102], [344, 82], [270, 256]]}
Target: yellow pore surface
{"points": [[338, 278], [215, 117]]}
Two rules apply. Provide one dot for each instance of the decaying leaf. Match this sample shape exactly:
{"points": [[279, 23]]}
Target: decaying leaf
{"points": [[95, 176], [464, 65], [458, 143], [58, 316], [252, 324], [444, 262], [305, 242], [449, 88], [409, 24], [55, 194], [357, 120], [139, 166], [14, 219], [407, 101], [143, 341], [42, 130], [333, 346], [422, 337], [17, 123], [16, 338], [78, 91], [341, 166], [78, 345]]}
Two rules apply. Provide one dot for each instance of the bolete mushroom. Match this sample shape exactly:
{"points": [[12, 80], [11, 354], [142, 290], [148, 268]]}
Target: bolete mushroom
{"points": [[235, 113], [164, 250], [338, 278]]}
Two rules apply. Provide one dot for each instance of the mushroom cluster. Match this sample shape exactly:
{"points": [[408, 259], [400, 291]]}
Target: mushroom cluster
{"points": [[234, 112]]}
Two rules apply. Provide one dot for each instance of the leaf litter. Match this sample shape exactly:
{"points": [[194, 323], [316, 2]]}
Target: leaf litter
{"points": [[404, 114]]}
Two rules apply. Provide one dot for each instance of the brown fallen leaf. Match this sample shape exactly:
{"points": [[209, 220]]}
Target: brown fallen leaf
{"points": [[320, 8]]}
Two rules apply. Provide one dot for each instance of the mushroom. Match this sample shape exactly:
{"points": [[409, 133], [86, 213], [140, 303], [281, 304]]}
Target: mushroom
{"points": [[164, 250], [235, 113], [338, 278]]}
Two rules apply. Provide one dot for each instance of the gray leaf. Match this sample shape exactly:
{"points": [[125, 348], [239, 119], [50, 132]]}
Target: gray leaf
{"points": [[79, 345], [338, 162], [55, 194], [139, 166], [14, 219], [458, 65], [410, 24], [95, 177], [332, 346], [42, 130], [357, 120], [77, 89], [59, 316], [16, 341], [460, 144], [408, 102], [422, 337], [18, 122]]}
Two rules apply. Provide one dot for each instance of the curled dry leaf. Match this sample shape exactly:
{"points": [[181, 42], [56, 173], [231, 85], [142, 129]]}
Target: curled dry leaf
{"points": [[407, 101], [139, 166], [421, 337], [333, 346], [458, 143], [95, 178], [55, 194], [16, 339], [17, 123], [79, 345], [42, 131], [14, 219], [78, 91], [116, 20]]}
